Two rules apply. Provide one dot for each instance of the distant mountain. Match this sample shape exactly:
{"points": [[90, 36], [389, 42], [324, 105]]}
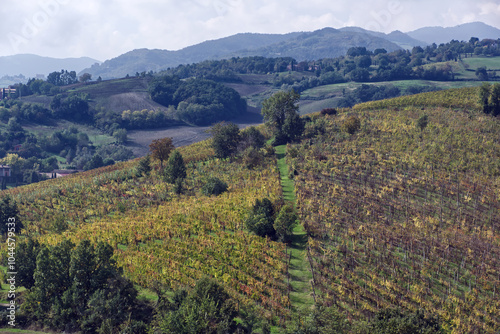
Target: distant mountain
{"points": [[146, 60], [396, 37], [322, 43], [461, 32], [30, 65]]}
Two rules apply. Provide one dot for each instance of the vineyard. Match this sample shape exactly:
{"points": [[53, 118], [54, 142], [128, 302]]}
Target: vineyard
{"points": [[402, 210], [161, 239], [463, 98], [404, 217]]}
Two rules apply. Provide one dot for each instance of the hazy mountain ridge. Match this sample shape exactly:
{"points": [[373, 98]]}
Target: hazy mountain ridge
{"points": [[461, 32], [154, 60], [323, 43], [397, 37], [30, 65]]}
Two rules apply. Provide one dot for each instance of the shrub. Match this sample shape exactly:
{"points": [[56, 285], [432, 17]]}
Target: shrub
{"points": [[328, 111], [251, 137], [175, 169], [351, 125], [252, 157], [422, 122], [285, 222], [260, 221], [213, 186], [225, 139], [144, 166]]}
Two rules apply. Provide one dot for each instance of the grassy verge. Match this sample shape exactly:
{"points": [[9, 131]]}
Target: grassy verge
{"points": [[300, 276]]}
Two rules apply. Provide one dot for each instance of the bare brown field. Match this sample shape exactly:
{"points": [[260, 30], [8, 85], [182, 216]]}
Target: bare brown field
{"points": [[139, 140]]}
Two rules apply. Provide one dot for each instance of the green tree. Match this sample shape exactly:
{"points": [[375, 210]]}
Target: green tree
{"points": [[213, 186], [9, 216], [285, 223], [260, 221], [495, 99], [79, 289], [175, 169], [482, 73], [251, 137], [293, 127], [144, 166], [120, 135], [95, 162], [225, 139], [26, 254], [205, 309], [161, 148], [278, 108], [484, 96]]}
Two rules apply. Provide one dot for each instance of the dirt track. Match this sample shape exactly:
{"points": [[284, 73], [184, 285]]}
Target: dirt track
{"points": [[139, 140]]}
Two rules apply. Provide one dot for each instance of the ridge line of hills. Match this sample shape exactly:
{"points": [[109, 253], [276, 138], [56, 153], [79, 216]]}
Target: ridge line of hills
{"points": [[322, 43]]}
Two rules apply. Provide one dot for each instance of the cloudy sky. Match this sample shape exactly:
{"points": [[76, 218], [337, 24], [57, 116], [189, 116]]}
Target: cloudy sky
{"points": [[103, 29]]}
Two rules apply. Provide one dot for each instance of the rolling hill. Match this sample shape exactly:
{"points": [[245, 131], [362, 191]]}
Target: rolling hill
{"points": [[324, 43], [399, 215], [156, 60]]}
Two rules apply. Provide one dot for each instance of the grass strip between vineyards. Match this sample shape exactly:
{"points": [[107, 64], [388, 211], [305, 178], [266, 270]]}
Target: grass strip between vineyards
{"points": [[301, 295]]}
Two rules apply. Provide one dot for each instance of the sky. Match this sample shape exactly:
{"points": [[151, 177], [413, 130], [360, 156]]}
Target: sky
{"points": [[104, 29]]}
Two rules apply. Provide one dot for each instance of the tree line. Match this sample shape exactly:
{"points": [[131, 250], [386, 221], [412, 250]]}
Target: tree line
{"points": [[197, 101]]}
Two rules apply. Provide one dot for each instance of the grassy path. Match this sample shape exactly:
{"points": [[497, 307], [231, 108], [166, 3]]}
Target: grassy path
{"points": [[300, 276]]}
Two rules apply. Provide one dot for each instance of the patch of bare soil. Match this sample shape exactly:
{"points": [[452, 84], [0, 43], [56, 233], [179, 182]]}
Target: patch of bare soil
{"points": [[139, 140]]}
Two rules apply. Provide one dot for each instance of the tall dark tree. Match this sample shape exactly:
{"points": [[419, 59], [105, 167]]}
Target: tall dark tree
{"points": [[26, 254], [495, 99], [261, 219], [278, 107], [144, 166], [225, 139], [175, 168], [9, 216]]}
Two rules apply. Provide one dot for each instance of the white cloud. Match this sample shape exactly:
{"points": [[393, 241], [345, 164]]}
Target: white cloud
{"points": [[106, 29]]}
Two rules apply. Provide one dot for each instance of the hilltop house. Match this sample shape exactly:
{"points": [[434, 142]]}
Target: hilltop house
{"points": [[5, 93], [5, 171]]}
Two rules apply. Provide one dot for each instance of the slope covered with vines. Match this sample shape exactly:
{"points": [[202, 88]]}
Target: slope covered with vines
{"points": [[168, 240], [402, 216]]}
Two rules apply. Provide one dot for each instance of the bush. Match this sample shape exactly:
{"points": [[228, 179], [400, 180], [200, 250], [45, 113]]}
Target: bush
{"points": [[175, 169], [328, 111], [285, 222], [260, 221], [213, 186], [422, 122], [225, 139], [252, 137], [351, 125], [252, 157], [144, 166], [208, 308]]}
